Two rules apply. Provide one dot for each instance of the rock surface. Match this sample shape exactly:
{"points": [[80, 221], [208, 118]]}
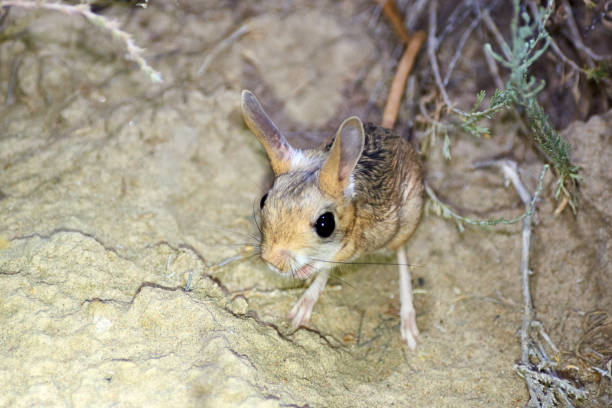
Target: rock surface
{"points": [[119, 202]]}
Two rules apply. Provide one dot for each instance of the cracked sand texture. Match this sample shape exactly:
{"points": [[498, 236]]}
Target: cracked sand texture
{"points": [[115, 197]]}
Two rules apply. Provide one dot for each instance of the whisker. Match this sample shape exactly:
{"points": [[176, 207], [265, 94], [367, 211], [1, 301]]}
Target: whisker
{"points": [[254, 239], [255, 219], [233, 231], [292, 267], [232, 259], [339, 279], [233, 244], [368, 263], [257, 225], [254, 254]]}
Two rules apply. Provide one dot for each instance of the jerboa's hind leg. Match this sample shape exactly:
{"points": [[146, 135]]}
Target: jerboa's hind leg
{"points": [[408, 327]]}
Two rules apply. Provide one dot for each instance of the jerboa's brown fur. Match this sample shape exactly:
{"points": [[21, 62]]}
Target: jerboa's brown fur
{"points": [[388, 185], [360, 192], [368, 177]]}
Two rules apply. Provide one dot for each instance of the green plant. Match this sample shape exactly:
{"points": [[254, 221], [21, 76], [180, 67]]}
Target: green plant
{"points": [[500, 101], [435, 205], [529, 41]]}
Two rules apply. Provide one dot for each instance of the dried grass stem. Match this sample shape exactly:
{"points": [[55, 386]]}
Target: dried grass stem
{"points": [[134, 53]]}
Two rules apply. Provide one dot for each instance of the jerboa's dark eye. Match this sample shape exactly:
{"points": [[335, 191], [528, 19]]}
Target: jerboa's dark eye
{"points": [[325, 225], [263, 200]]}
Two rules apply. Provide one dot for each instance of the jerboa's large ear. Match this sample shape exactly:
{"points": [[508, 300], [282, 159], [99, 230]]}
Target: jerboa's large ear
{"points": [[278, 149], [336, 172]]}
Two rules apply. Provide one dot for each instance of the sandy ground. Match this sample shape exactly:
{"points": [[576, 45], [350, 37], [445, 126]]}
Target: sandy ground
{"points": [[116, 194]]}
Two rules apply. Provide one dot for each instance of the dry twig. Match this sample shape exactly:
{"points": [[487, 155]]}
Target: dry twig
{"points": [[460, 45], [134, 52], [534, 9], [578, 43], [413, 45], [226, 42], [413, 13], [431, 47], [545, 387], [486, 17], [399, 81], [445, 211], [577, 38], [390, 11], [492, 65]]}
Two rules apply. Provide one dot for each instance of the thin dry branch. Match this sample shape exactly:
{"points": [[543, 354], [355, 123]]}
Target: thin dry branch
{"points": [[226, 42], [413, 13], [460, 45], [492, 65], [577, 38], [557, 50], [490, 24], [431, 47], [545, 387], [389, 9], [534, 9], [462, 10], [134, 52], [413, 44], [399, 81]]}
